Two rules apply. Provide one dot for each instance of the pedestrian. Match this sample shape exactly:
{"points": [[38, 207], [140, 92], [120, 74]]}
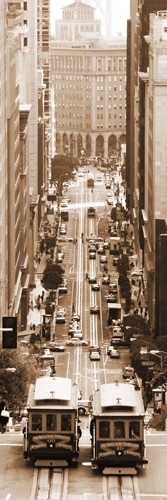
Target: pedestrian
{"points": [[32, 305], [33, 327]]}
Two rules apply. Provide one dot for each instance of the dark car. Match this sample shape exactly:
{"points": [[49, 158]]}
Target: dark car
{"points": [[115, 261], [56, 347], [92, 255], [105, 280], [111, 298], [95, 287], [95, 309], [60, 319], [92, 279], [75, 317]]}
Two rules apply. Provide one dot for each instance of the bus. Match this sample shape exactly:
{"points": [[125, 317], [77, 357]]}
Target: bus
{"points": [[90, 182]]}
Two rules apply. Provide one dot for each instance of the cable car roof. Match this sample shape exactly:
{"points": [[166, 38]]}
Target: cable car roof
{"points": [[117, 395], [53, 388], [118, 398]]}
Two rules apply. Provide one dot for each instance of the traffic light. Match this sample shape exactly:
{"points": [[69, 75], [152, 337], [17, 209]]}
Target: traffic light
{"points": [[9, 337]]}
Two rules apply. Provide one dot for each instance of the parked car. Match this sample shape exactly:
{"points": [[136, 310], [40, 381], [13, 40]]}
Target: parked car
{"points": [[63, 289], [115, 261], [60, 257], [111, 298], [105, 280], [94, 356], [56, 347], [61, 311], [109, 201], [64, 204], [60, 319]]}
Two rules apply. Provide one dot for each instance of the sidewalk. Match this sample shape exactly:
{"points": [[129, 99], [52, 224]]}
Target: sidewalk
{"points": [[35, 316]]}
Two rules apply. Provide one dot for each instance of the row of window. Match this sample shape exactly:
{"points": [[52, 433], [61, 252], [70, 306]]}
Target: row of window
{"points": [[117, 65], [118, 429], [110, 78], [75, 125], [51, 422]]}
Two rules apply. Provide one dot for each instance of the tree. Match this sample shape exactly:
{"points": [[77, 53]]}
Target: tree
{"points": [[52, 276], [16, 373], [62, 165]]}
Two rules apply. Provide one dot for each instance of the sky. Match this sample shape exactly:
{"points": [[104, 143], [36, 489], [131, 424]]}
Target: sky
{"points": [[121, 10]]}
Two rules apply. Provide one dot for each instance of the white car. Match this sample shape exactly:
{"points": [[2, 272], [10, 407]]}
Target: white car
{"points": [[94, 356], [61, 311], [103, 259], [114, 353], [78, 342]]}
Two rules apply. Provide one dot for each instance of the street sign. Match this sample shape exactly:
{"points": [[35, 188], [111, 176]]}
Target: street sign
{"points": [[148, 363]]}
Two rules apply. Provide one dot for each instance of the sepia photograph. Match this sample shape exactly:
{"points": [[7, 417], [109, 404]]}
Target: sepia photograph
{"points": [[83, 268]]}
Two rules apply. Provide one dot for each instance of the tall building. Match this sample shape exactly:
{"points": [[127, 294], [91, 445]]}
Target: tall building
{"points": [[43, 61], [3, 168], [141, 147], [155, 207], [89, 84]]}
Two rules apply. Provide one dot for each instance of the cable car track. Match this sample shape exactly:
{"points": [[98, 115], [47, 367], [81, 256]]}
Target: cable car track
{"points": [[49, 484], [121, 488]]}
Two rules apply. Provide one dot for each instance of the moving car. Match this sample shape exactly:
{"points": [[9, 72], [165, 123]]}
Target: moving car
{"points": [[77, 334], [95, 287], [56, 347], [101, 249], [95, 348], [94, 356], [62, 230], [103, 259], [92, 279], [128, 372], [75, 317], [92, 255], [95, 309], [114, 353], [78, 342]]}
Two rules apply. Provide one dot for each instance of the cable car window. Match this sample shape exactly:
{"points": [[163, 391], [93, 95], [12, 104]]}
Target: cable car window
{"points": [[134, 429], [66, 422], [104, 429], [119, 430], [51, 422], [36, 422]]}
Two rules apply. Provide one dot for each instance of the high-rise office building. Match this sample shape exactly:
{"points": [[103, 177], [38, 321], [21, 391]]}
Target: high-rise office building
{"points": [[89, 82], [141, 170]]}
